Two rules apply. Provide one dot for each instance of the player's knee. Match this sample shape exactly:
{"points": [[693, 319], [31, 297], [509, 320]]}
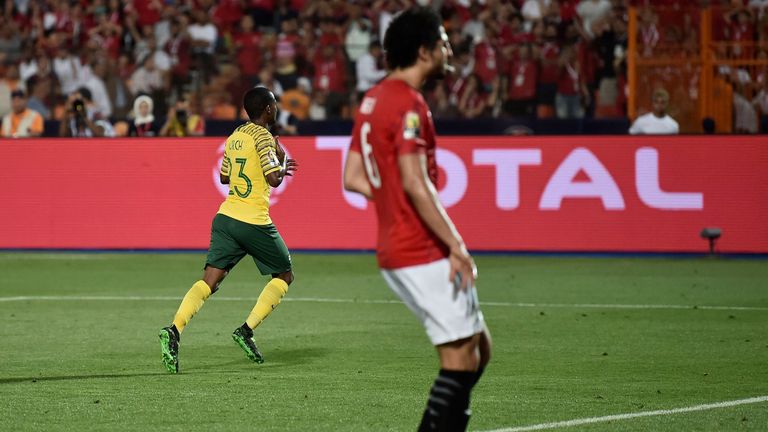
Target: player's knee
{"points": [[285, 276]]}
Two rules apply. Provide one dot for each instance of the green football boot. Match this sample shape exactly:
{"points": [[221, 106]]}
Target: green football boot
{"points": [[169, 346], [244, 337]]}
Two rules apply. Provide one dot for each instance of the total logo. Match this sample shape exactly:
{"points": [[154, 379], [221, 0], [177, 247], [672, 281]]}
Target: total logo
{"points": [[224, 188]]}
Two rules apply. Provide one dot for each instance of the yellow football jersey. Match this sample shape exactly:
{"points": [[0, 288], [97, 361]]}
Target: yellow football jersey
{"points": [[249, 155]]}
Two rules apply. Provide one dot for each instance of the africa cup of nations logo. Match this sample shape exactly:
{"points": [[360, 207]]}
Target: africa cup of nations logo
{"points": [[224, 188]]}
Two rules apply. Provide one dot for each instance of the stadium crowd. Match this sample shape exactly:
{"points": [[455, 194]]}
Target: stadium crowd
{"points": [[162, 68]]}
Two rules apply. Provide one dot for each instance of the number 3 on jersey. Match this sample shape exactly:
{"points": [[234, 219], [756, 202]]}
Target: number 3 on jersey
{"points": [[371, 169]]}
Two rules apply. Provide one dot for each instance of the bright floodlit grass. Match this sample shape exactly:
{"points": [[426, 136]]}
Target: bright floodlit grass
{"points": [[80, 351]]}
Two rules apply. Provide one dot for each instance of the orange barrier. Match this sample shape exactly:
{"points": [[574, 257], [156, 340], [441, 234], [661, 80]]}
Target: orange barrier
{"points": [[703, 74]]}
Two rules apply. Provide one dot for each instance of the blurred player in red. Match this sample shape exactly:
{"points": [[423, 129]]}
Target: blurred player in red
{"points": [[421, 254]]}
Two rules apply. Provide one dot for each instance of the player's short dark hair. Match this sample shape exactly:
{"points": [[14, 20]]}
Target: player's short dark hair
{"points": [[415, 28], [256, 101]]}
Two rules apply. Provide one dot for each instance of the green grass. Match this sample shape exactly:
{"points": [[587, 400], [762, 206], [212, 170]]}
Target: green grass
{"points": [[95, 364]]}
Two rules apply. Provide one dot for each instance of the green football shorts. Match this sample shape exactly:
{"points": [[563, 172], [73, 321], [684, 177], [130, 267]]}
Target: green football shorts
{"points": [[232, 239]]}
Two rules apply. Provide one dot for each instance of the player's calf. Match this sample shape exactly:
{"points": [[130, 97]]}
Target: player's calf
{"points": [[448, 405]]}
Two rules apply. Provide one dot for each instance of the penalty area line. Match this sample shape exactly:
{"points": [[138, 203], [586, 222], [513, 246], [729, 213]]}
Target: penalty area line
{"points": [[616, 417], [384, 301]]}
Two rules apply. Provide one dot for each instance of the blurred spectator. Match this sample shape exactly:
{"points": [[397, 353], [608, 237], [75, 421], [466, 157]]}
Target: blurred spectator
{"points": [[760, 100], [357, 39], [520, 82], [648, 32], [79, 120], [745, 120], [178, 49], [68, 70], [297, 100], [183, 122], [100, 120], [473, 28], [247, 46], [218, 106], [227, 13], [317, 110], [12, 79], [759, 7], [161, 58], [261, 11], [7, 85], [163, 27], [98, 88], [656, 122], [330, 76], [590, 12], [287, 123], [708, 125], [571, 89], [473, 100], [533, 10], [549, 69], [118, 92], [284, 11], [143, 124], [11, 42], [21, 122], [203, 35], [386, 11], [148, 11], [741, 29], [486, 61], [267, 79], [286, 71], [39, 89], [147, 79], [369, 71]]}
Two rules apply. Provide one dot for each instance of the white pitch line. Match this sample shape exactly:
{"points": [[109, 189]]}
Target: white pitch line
{"points": [[363, 301], [591, 420]]}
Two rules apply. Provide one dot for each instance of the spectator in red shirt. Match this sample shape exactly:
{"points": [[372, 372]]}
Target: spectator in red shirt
{"points": [[486, 63], [474, 101], [520, 83], [226, 14], [571, 89], [178, 49], [741, 30], [549, 71], [247, 45], [330, 75], [148, 11]]}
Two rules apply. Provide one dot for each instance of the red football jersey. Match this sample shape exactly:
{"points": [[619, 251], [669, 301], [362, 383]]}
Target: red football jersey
{"points": [[394, 120]]}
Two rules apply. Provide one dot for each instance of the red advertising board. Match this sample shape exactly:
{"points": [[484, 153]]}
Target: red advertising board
{"points": [[640, 194]]}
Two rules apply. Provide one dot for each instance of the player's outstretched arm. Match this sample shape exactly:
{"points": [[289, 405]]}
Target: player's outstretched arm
{"points": [[422, 193], [354, 175]]}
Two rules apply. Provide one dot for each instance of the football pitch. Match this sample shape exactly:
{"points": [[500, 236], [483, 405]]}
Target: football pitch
{"points": [[662, 344]]}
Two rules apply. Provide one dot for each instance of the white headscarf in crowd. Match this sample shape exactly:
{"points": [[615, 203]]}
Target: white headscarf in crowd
{"points": [[138, 118]]}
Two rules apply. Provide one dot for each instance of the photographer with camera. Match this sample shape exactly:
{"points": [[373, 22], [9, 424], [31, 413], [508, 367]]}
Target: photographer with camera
{"points": [[80, 120], [181, 122]]}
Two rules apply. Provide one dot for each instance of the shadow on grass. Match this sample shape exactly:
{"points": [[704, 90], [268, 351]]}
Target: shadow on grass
{"points": [[273, 359], [35, 379]]}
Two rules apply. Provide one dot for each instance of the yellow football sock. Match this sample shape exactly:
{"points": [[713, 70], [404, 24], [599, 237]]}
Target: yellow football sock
{"points": [[192, 303], [268, 300]]}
